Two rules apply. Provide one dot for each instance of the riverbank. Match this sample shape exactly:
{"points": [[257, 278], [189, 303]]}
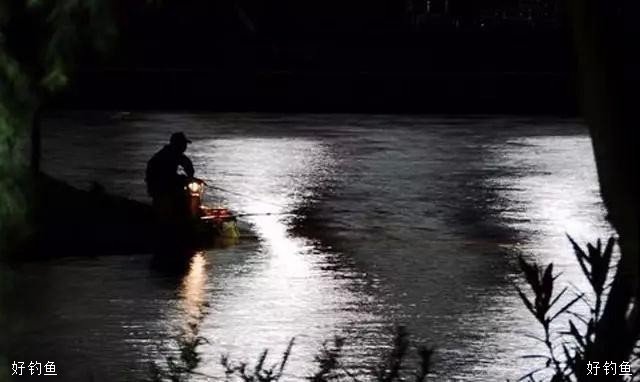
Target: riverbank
{"points": [[70, 221]]}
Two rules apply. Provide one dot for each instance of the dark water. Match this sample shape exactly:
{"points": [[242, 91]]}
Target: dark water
{"points": [[376, 221]]}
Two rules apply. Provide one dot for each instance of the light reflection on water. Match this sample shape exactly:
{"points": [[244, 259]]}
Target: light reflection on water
{"points": [[193, 297], [286, 287], [409, 220]]}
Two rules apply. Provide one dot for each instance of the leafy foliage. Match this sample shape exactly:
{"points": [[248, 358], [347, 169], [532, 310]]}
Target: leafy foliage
{"points": [[571, 350], [40, 42]]}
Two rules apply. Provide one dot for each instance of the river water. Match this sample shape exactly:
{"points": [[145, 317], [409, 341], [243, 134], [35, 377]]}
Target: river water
{"points": [[355, 223]]}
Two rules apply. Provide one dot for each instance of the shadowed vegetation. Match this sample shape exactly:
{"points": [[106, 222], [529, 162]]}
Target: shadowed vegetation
{"points": [[40, 46], [180, 369], [571, 352], [329, 367]]}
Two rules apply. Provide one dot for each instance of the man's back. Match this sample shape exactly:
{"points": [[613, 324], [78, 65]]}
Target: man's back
{"points": [[162, 170]]}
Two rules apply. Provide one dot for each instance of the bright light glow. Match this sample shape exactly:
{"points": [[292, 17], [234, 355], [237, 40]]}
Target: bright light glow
{"points": [[194, 187]]}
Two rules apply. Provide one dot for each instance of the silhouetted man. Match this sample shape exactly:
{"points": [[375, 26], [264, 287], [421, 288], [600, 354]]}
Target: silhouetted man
{"points": [[164, 184]]}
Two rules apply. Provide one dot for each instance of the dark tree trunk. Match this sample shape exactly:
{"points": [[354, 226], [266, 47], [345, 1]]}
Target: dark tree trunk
{"points": [[602, 49]]}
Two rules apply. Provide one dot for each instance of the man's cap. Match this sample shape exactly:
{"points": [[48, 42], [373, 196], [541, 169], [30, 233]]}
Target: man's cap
{"points": [[179, 137]]}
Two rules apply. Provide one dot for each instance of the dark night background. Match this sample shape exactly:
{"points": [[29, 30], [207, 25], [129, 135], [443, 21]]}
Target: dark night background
{"points": [[375, 56]]}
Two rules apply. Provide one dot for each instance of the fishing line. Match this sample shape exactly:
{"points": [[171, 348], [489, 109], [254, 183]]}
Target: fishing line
{"points": [[244, 196], [266, 214]]}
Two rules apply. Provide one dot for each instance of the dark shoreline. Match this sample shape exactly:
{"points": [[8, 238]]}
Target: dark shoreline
{"points": [[532, 93], [72, 222]]}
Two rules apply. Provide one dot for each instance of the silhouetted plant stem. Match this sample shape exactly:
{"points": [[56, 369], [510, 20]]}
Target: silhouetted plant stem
{"points": [[547, 341], [585, 346]]}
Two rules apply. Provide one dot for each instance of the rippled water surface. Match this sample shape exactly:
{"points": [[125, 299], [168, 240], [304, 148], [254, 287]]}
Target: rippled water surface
{"points": [[354, 224]]}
